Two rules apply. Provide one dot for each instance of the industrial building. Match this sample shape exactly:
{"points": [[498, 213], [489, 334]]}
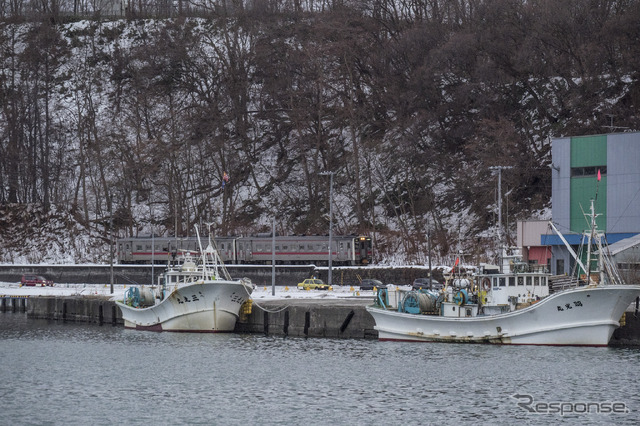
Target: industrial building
{"points": [[576, 164]]}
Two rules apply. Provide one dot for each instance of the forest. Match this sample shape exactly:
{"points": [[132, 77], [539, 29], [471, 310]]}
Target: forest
{"points": [[127, 118]]}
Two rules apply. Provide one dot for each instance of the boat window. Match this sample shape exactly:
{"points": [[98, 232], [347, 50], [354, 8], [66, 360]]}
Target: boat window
{"points": [[520, 280], [529, 280], [468, 312], [536, 280], [502, 281], [495, 282], [512, 281], [543, 281]]}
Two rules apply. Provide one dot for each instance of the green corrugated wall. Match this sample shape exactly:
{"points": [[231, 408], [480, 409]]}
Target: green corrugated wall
{"points": [[588, 151]]}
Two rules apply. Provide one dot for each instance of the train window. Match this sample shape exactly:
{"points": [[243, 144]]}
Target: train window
{"points": [[348, 246], [277, 247], [285, 247], [221, 246], [138, 247], [310, 247], [301, 247]]}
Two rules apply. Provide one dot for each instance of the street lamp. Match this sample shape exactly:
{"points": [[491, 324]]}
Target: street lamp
{"points": [[330, 174]]}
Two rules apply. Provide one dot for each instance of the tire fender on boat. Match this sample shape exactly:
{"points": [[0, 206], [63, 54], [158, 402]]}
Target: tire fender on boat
{"points": [[486, 284]]}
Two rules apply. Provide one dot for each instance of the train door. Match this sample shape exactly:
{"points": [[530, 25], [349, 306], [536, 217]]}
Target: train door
{"points": [[363, 250], [240, 253], [124, 252]]}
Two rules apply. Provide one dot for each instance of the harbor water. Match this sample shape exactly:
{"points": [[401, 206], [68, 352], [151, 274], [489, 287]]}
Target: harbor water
{"points": [[67, 373]]}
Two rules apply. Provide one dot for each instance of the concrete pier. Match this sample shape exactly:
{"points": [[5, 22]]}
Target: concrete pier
{"points": [[91, 309], [336, 318], [13, 303]]}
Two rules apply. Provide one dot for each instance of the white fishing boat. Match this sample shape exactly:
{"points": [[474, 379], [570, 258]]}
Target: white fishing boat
{"points": [[509, 308], [193, 295]]}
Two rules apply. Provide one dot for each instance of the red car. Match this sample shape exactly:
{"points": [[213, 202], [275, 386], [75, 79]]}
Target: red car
{"points": [[35, 280]]}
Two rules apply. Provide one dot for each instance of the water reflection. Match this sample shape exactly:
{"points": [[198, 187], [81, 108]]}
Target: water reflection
{"points": [[80, 373]]}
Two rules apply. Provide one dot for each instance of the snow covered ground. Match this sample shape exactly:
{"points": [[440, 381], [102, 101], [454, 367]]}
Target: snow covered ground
{"points": [[260, 293]]}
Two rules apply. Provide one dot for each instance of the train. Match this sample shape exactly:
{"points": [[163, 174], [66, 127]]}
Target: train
{"points": [[347, 250]]}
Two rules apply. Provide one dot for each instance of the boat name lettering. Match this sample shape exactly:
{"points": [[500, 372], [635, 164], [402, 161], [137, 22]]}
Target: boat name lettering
{"points": [[237, 298], [194, 298], [568, 306]]}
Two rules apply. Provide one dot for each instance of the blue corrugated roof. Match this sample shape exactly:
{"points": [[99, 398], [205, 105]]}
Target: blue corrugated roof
{"points": [[574, 239]]}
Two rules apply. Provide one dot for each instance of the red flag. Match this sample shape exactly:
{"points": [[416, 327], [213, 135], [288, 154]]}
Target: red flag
{"points": [[457, 260], [599, 175]]}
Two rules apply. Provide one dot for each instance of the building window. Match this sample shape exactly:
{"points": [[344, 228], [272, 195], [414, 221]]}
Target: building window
{"points": [[588, 171]]}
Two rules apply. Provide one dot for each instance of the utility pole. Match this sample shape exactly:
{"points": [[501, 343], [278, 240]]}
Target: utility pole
{"points": [[330, 174], [273, 257], [111, 239], [429, 252]]}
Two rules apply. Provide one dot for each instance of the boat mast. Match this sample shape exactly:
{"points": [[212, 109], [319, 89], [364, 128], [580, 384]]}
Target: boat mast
{"points": [[203, 255], [499, 170], [591, 236]]}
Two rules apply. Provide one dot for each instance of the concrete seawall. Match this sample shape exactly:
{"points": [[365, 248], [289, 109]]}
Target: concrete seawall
{"points": [[286, 275], [336, 318], [93, 309]]}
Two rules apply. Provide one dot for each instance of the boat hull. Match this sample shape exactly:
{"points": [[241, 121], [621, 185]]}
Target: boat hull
{"points": [[205, 307], [584, 316]]}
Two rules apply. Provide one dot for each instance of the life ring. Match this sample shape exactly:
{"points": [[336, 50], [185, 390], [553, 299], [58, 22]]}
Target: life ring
{"points": [[486, 284]]}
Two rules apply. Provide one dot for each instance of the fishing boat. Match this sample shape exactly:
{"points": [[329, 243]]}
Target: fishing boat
{"points": [[192, 295], [513, 306]]}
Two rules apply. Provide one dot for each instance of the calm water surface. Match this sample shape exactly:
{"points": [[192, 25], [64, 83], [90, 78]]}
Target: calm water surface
{"points": [[65, 373]]}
